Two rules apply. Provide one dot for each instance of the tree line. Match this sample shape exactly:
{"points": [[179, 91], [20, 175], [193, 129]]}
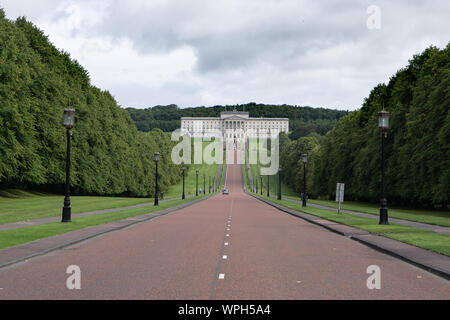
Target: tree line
{"points": [[303, 120], [417, 146], [109, 155]]}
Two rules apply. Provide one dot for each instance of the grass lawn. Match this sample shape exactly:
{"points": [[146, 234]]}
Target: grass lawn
{"points": [[18, 205], [9, 238], [190, 179], [441, 218], [421, 238], [273, 181], [27, 205]]}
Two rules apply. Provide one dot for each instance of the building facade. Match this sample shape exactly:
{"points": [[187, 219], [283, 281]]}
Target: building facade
{"points": [[234, 125]]}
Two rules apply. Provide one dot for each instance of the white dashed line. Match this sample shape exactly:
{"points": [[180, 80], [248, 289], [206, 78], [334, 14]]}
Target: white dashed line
{"points": [[222, 276], [226, 243], [224, 257], [227, 235]]}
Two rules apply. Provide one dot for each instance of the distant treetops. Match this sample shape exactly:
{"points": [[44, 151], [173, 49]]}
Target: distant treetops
{"points": [[302, 120]]}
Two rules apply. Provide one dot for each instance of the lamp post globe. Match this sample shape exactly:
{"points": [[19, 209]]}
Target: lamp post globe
{"points": [[304, 158], [156, 158], [383, 124], [69, 118], [383, 120], [69, 124]]}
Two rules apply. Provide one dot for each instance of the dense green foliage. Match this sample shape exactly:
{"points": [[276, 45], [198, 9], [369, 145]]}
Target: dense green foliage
{"points": [[417, 145], [291, 161], [109, 155], [302, 120]]}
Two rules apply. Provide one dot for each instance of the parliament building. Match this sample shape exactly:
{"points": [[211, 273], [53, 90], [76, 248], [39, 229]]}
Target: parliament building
{"points": [[234, 125]]}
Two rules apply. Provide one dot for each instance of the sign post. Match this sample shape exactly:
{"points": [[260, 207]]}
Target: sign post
{"points": [[339, 195]]}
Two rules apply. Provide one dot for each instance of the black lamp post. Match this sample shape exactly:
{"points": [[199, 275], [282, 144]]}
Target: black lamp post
{"points": [[184, 169], [209, 184], [279, 183], [261, 184], [304, 160], [268, 186], [69, 123], [156, 177], [196, 183], [204, 184], [383, 124], [256, 185]]}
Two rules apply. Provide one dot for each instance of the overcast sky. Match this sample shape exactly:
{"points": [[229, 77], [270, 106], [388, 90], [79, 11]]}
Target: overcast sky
{"points": [[207, 52]]}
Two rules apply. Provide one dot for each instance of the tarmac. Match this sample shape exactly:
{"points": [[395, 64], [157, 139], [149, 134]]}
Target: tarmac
{"points": [[235, 246]]}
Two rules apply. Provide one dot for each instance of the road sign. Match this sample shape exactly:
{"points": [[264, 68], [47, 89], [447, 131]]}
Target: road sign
{"points": [[339, 195], [340, 192]]}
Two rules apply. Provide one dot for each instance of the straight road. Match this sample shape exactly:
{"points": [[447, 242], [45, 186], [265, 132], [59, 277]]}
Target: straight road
{"points": [[226, 247]]}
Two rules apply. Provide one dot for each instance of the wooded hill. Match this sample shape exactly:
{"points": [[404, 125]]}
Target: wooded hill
{"points": [[302, 120], [417, 145], [109, 155]]}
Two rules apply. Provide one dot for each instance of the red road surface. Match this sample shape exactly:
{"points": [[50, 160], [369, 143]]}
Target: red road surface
{"points": [[269, 255]]}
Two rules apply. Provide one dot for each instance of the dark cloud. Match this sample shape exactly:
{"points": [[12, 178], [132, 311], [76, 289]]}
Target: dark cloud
{"points": [[278, 51]]}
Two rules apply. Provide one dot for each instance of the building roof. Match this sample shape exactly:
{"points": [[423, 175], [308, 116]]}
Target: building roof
{"points": [[200, 118], [234, 112], [247, 119]]}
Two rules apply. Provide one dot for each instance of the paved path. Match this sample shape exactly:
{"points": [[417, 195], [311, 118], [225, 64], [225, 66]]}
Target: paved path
{"points": [[27, 223], [226, 247]]}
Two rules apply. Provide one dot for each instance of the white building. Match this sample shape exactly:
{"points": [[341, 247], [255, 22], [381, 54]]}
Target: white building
{"points": [[234, 125]]}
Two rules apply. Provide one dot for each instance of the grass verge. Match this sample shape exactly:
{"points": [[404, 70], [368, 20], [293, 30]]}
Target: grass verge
{"points": [[31, 206], [273, 179], [13, 237], [440, 218], [209, 170]]}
